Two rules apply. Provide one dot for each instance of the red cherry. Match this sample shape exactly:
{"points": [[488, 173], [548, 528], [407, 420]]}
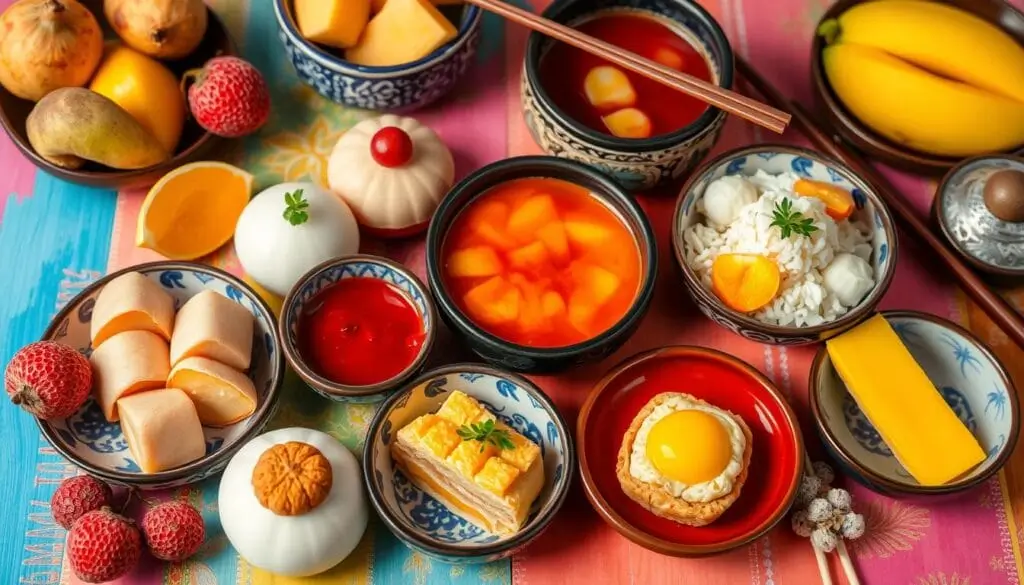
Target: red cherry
{"points": [[391, 147]]}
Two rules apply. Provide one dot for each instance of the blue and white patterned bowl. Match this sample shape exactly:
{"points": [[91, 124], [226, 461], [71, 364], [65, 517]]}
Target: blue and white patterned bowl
{"points": [[97, 446], [636, 164], [775, 159], [970, 379], [327, 274], [419, 520], [400, 88]]}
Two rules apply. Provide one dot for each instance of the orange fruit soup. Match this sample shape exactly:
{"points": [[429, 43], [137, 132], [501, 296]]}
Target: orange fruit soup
{"points": [[541, 263]]}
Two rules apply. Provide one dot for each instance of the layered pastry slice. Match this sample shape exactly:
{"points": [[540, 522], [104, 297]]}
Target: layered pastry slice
{"points": [[477, 466]]}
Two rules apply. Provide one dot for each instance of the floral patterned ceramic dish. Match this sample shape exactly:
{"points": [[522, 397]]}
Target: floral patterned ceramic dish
{"points": [[971, 380], [419, 520], [776, 159], [400, 88], [327, 274], [87, 440]]}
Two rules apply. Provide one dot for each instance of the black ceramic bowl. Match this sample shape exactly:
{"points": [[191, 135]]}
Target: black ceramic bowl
{"points": [[518, 357], [637, 164]]}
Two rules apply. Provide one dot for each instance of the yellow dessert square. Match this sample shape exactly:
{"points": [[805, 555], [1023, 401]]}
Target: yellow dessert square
{"points": [[459, 409], [525, 452], [470, 456], [496, 476], [419, 426], [441, 438]]}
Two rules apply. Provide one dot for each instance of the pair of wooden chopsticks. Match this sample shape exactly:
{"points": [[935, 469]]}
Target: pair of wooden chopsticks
{"points": [[997, 309], [729, 101]]}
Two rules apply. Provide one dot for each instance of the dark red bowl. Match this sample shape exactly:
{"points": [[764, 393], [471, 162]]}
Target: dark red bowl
{"points": [[776, 464]]}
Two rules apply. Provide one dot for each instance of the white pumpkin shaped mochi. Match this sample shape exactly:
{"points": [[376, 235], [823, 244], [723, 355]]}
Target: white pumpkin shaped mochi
{"points": [[392, 171], [291, 502]]}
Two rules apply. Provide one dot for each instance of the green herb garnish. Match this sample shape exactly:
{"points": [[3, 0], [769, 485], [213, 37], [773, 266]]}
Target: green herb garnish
{"points": [[486, 433], [296, 207], [791, 222]]}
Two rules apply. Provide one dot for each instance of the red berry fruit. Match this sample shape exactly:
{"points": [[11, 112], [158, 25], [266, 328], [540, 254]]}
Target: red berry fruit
{"points": [[228, 97], [48, 379], [103, 546], [75, 496], [174, 530], [391, 147]]}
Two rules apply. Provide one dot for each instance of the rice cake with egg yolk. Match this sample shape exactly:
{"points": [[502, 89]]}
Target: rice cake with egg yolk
{"points": [[162, 429], [213, 326], [699, 472], [222, 394], [131, 302], [129, 362]]}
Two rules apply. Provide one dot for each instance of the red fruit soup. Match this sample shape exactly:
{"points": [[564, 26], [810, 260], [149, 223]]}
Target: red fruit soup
{"points": [[613, 100], [360, 331]]}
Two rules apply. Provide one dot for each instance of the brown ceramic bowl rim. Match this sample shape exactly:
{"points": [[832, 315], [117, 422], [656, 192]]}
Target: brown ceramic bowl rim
{"points": [[170, 164], [309, 376], [854, 315], [848, 459], [938, 206], [850, 124], [259, 418], [645, 539]]}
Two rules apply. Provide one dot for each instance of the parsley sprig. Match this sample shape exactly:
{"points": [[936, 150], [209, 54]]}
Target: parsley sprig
{"points": [[791, 222], [296, 209], [485, 432]]}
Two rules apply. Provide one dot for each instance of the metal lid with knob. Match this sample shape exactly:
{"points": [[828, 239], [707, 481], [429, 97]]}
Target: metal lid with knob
{"points": [[979, 206]]}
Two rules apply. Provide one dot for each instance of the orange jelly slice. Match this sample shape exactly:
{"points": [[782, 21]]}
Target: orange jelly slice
{"points": [[745, 282]]}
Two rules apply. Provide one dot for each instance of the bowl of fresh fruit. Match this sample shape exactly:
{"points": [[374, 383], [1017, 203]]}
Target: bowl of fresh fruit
{"points": [[357, 52], [97, 98]]}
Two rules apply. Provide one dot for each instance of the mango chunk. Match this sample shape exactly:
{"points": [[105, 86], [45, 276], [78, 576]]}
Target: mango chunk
{"points": [[555, 240], [474, 261], [336, 23], [552, 304], [669, 58], [585, 233], [582, 310], [628, 123], [494, 301], [402, 32], [531, 311], [533, 255], [530, 216], [488, 220], [598, 283], [607, 87]]}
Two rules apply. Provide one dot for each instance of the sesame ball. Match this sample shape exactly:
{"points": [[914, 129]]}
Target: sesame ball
{"points": [[819, 510]]}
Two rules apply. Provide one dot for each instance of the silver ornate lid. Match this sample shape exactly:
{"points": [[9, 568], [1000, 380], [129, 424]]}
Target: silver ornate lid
{"points": [[991, 242]]}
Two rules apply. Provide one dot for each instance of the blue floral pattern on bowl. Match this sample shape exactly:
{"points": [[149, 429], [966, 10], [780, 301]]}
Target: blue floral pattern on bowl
{"points": [[92, 442], [360, 266], [870, 212], [399, 88], [421, 521], [969, 378]]}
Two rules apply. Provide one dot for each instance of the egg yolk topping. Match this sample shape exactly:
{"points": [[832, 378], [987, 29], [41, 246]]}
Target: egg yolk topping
{"points": [[689, 446]]}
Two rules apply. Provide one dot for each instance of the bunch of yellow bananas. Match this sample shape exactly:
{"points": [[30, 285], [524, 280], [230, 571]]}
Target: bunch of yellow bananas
{"points": [[928, 76]]}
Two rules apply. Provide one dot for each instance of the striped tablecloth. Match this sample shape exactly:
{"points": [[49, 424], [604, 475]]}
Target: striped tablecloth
{"points": [[55, 238]]}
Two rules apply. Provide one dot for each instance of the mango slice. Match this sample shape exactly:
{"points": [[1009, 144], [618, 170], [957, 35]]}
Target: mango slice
{"points": [[669, 58], [336, 23], [531, 256], [488, 220], [598, 283], [493, 302], [582, 309], [628, 123], [531, 312], [474, 261], [530, 216], [556, 241], [607, 87], [838, 202], [745, 282], [586, 233], [552, 304], [402, 32]]}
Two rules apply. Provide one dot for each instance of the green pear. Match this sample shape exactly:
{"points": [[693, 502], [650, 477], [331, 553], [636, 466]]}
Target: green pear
{"points": [[72, 125]]}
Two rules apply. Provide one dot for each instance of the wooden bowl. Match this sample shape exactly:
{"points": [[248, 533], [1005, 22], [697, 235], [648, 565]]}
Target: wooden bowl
{"points": [[851, 130], [195, 143]]}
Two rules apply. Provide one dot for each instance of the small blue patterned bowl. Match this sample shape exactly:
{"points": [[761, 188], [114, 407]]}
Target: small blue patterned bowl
{"points": [[325, 275], [776, 159], [637, 164], [970, 379], [97, 446], [400, 88], [419, 520]]}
